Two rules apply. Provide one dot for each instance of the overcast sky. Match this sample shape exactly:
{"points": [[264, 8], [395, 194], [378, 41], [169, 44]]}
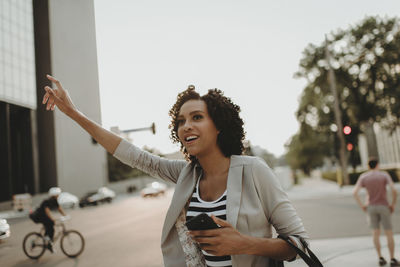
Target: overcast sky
{"points": [[149, 51]]}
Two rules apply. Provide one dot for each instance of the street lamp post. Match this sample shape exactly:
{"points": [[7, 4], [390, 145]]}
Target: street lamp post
{"points": [[152, 128], [125, 133]]}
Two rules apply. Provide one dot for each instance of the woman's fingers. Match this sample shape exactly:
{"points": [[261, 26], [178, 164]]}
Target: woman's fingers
{"points": [[220, 222], [50, 99], [206, 240], [50, 104], [54, 80], [57, 97], [45, 98]]}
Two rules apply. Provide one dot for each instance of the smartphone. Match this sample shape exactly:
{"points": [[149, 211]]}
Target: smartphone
{"points": [[201, 222]]}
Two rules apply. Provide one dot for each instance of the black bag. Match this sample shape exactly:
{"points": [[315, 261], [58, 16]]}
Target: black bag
{"points": [[310, 259], [35, 216]]}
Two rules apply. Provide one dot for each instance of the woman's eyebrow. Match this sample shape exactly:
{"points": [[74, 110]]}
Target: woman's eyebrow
{"points": [[192, 112]]}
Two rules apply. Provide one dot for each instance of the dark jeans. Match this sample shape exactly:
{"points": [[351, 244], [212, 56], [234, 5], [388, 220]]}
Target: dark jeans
{"points": [[49, 226]]}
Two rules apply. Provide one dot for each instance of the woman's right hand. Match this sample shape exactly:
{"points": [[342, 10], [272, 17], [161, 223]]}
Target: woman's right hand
{"points": [[58, 97]]}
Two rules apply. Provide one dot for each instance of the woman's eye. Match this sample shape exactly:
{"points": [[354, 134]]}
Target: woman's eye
{"points": [[197, 117], [179, 122]]}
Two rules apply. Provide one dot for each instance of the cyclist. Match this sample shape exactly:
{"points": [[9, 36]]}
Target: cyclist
{"points": [[43, 215]]}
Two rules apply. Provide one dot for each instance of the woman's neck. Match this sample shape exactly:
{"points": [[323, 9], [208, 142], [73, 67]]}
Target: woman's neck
{"points": [[214, 164]]}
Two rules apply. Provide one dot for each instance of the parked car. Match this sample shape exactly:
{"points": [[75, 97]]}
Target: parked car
{"points": [[4, 229], [104, 194], [68, 200], [153, 189]]}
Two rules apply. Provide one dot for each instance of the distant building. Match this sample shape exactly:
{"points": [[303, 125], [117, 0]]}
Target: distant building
{"points": [[388, 148], [40, 149]]}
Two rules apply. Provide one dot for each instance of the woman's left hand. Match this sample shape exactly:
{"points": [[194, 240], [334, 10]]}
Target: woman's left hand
{"points": [[225, 240]]}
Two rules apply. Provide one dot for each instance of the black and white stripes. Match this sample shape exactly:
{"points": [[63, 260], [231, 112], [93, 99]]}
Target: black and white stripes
{"points": [[216, 208]]}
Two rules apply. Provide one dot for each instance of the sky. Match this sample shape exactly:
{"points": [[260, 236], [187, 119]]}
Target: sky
{"points": [[149, 51]]}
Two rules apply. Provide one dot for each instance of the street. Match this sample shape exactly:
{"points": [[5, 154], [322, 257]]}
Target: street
{"points": [[127, 232], [124, 233]]}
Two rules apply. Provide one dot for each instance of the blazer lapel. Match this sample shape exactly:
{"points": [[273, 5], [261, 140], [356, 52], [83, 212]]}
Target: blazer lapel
{"points": [[234, 190], [183, 191]]}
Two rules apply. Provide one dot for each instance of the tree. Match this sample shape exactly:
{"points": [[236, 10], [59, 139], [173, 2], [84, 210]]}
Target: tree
{"points": [[258, 151], [307, 149], [366, 62], [118, 171]]}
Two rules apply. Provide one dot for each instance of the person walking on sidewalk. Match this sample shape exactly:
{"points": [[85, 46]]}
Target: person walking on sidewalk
{"points": [[377, 206]]}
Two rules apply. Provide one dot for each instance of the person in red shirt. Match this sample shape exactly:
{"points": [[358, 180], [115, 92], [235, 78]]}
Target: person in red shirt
{"points": [[377, 206]]}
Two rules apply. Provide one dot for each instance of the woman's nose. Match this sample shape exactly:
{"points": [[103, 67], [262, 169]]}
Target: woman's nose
{"points": [[187, 126]]}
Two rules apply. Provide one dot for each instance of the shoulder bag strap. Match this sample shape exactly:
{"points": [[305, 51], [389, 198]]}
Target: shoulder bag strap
{"points": [[310, 259]]}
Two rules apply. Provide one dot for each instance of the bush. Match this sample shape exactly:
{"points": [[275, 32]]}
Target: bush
{"points": [[331, 176], [353, 177]]}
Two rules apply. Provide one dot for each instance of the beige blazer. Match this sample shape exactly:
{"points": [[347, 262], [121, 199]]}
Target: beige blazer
{"points": [[255, 200]]}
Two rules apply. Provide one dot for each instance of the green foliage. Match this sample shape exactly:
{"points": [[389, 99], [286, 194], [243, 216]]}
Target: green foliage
{"points": [[269, 159], [258, 151], [331, 176], [118, 171], [306, 150], [366, 62]]}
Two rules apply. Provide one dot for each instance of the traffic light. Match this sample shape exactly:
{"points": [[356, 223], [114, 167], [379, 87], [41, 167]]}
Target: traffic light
{"points": [[349, 146], [347, 132]]}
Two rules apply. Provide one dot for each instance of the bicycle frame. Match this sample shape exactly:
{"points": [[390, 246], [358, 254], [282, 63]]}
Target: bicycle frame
{"points": [[59, 230]]}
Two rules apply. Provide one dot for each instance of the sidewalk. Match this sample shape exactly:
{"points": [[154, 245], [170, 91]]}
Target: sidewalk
{"points": [[7, 211], [348, 252]]}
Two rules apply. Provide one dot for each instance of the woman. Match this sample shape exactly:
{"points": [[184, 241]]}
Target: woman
{"points": [[240, 190]]}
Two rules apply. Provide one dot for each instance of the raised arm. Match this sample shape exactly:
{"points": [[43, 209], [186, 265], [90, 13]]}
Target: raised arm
{"points": [[59, 97], [126, 152]]}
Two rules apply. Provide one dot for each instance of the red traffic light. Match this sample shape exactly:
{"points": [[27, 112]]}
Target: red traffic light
{"points": [[347, 130], [349, 147]]}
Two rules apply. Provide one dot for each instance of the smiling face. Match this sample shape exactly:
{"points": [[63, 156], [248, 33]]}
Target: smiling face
{"points": [[196, 129]]}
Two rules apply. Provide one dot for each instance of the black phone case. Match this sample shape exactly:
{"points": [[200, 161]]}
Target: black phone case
{"points": [[201, 222]]}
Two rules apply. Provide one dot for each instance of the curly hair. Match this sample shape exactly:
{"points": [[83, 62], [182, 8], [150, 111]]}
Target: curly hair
{"points": [[223, 112]]}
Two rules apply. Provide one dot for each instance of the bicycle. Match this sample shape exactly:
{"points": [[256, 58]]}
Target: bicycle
{"points": [[72, 242]]}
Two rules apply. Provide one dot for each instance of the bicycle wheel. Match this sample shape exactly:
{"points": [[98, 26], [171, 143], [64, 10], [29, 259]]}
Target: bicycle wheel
{"points": [[72, 243], [34, 245]]}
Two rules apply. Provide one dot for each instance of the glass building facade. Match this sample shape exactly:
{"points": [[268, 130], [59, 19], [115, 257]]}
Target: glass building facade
{"points": [[17, 98], [17, 53], [41, 149]]}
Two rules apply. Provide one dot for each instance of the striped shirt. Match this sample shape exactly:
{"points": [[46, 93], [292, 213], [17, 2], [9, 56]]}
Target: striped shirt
{"points": [[216, 208]]}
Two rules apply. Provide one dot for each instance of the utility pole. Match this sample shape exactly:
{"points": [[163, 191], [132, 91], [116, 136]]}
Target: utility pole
{"points": [[338, 116]]}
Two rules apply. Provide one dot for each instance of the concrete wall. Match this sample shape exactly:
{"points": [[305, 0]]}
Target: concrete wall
{"points": [[388, 147], [81, 164]]}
